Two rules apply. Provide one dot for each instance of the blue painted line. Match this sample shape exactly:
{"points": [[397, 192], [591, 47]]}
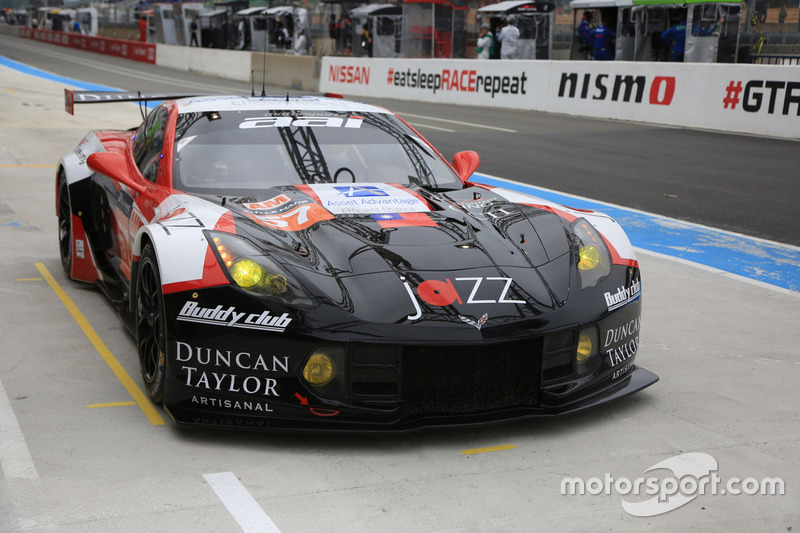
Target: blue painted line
{"points": [[769, 262], [25, 69], [82, 85], [14, 224]]}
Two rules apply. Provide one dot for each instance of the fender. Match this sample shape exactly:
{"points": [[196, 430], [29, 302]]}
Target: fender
{"points": [[177, 235], [74, 163], [620, 247]]}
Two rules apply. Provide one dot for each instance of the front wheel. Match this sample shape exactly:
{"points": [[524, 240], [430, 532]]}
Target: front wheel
{"points": [[64, 226], [151, 326]]}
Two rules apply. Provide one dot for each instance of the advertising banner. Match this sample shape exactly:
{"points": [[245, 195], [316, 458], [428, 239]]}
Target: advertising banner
{"points": [[754, 99], [144, 52]]}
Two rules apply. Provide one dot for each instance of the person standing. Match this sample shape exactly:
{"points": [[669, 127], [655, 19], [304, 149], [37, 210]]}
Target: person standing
{"points": [[366, 41], [508, 37], [193, 29], [585, 31], [485, 42], [142, 27], [604, 40], [301, 44]]}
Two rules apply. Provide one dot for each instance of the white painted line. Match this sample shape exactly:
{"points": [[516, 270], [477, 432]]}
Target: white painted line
{"points": [[240, 503], [15, 457], [417, 125], [471, 124]]}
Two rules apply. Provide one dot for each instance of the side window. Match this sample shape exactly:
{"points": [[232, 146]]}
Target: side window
{"points": [[149, 142]]}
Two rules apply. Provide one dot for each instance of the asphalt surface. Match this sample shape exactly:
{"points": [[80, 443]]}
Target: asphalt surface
{"points": [[79, 455], [739, 183]]}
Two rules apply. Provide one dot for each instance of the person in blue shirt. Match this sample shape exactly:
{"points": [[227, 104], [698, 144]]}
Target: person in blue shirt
{"points": [[585, 30], [676, 35], [676, 38], [603, 38]]}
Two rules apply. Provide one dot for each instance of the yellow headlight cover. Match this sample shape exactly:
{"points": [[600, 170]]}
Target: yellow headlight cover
{"points": [[246, 273], [319, 369], [589, 257]]}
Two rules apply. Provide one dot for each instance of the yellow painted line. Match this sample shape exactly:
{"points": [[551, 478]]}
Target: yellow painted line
{"points": [[114, 404], [489, 449], [27, 166], [29, 279], [144, 403]]}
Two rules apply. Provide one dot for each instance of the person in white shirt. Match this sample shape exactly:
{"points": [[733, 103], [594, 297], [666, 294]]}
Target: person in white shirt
{"points": [[485, 42], [300, 44], [508, 37]]}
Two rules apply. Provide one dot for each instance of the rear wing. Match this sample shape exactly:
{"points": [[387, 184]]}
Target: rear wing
{"points": [[99, 97]]}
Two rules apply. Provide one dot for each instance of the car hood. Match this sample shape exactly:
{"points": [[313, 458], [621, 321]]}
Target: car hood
{"points": [[387, 253]]}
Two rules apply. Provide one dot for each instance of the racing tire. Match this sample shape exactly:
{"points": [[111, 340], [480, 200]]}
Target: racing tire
{"points": [[151, 326], [64, 225]]}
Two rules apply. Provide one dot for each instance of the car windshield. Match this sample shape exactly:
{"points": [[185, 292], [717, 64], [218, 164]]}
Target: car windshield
{"points": [[242, 152]]}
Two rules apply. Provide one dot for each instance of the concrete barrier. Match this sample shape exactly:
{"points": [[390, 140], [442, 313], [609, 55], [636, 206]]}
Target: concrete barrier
{"points": [[300, 73], [229, 64], [754, 99]]}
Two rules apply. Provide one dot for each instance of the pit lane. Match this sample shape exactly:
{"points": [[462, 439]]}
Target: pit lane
{"points": [[79, 454]]}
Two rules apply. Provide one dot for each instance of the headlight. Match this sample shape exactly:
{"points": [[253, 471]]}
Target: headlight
{"points": [[586, 354], [594, 261], [324, 370], [319, 370], [252, 270]]}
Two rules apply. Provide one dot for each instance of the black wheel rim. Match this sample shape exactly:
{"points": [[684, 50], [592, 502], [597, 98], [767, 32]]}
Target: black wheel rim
{"points": [[150, 327], [64, 225]]}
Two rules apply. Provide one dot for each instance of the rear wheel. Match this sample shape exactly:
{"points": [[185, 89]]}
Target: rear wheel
{"points": [[64, 225], [151, 326]]}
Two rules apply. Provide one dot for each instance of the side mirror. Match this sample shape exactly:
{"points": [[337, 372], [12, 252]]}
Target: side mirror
{"points": [[466, 163], [115, 167]]}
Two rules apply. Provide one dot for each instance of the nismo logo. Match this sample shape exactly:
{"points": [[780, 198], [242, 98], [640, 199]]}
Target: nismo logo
{"points": [[660, 89]]}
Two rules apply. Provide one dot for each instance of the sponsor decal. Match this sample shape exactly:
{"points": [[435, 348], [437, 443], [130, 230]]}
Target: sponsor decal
{"points": [[349, 74], [619, 355], [475, 323], [660, 89], [775, 96], [399, 220], [301, 122], [354, 191], [623, 295], [443, 293], [229, 317], [367, 199], [620, 345], [79, 249], [457, 80], [621, 333], [237, 405], [620, 372], [219, 370], [293, 216]]}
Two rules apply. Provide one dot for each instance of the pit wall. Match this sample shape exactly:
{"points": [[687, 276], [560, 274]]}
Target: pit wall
{"points": [[751, 99]]}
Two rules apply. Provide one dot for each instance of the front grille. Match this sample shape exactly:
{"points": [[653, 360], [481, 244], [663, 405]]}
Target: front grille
{"points": [[442, 380]]}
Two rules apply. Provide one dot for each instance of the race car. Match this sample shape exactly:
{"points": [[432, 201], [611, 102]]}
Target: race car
{"points": [[313, 263]]}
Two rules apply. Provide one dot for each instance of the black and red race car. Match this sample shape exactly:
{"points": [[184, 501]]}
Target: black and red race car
{"points": [[313, 263]]}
